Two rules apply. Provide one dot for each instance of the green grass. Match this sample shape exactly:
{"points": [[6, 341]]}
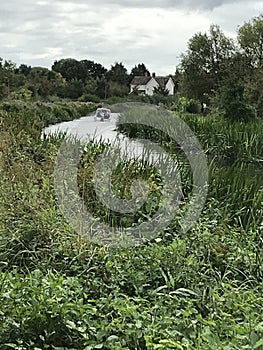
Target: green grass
{"points": [[198, 290], [234, 140], [230, 140]]}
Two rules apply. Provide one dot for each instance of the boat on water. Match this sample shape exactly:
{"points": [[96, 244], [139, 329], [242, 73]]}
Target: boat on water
{"points": [[102, 114]]}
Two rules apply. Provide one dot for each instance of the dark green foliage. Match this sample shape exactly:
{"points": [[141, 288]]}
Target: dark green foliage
{"points": [[215, 70], [254, 91], [89, 98], [160, 91], [204, 62], [72, 69], [116, 89], [72, 90], [42, 114], [24, 69], [250, 38], [232, 97], [193, 106], [138, 70], [118, 74], [233, 102]]}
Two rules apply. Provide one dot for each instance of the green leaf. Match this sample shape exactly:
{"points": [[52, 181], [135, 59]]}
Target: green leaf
{"points": [[258, 344], [112, 338]]}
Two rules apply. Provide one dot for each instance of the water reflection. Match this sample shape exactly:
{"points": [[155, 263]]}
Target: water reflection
{"points": [[87, 128]]}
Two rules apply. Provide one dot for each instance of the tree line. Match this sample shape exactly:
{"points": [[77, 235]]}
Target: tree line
{"points": [[225, 73], [67, 78]]}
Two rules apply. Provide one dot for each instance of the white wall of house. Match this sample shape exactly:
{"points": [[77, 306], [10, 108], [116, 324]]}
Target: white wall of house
{"points": [[139, 88], [170, 86], [150, 86], [148, 89]]}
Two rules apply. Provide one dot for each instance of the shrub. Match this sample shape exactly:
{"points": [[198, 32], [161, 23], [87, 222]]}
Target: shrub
{"points": [[89, 98], [193, 106], [185, 105], [239, 110]]}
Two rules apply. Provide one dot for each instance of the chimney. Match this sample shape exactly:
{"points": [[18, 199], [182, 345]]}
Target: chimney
{"points": [[153, 75]]}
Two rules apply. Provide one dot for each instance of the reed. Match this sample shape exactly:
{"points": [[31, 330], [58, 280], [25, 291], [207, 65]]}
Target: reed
{"points": [[200, 290]]}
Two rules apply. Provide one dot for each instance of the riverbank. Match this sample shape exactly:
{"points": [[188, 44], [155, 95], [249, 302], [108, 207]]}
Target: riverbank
{"points": [[199, 290]]}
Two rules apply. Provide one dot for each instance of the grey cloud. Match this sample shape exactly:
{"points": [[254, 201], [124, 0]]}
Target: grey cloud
{"points": [[180, 4], [38, 33], [29, 7]]}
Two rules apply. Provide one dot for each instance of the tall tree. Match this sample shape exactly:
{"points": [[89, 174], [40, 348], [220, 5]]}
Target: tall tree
{"points": [[118, 74], [138, 70], [23, 69], [9, 79], [70, 69], [254, 90], [44, 82], [250, 38], [203, 64], [92, 69]]}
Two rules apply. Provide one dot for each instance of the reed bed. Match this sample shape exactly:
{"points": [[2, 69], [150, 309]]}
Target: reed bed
{"points": [[199, 290]]}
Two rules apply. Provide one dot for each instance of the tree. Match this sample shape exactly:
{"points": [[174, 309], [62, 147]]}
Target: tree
{"points": [[102, 87], [91, 86], [254, 91], [9, 80], [138, 70], [118, 74], [231, 97], [23, 69], [203, 64], [73, 89], [233, 101], [44, 82], [250, 38], [83, 70], [70, 69], [116, 89], [160, 91], [92, 69]]}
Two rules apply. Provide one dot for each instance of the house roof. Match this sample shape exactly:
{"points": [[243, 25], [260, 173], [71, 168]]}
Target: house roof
{"points": [[143, 80], [140, 80], [162, 81]]}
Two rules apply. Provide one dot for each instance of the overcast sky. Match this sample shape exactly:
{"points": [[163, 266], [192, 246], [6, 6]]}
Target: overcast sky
{"points": [[155, 32]]}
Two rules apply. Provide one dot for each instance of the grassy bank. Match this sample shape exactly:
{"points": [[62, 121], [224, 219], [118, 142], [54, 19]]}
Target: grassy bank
{"points": [[200, 290], [43, 114], [229, 140]]}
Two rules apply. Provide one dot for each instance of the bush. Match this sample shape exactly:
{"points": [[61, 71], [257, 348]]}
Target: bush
{"points": [[232, 101], [47, 113], [183, 105], [89, 98], [193, 106], [239, 110]]}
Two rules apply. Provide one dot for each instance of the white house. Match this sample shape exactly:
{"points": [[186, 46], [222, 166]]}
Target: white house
{"points": [[145, 84]]}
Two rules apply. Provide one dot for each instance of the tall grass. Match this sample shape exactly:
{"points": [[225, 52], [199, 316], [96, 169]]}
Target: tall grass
{"points": [[218, 136], [234, 140], [238, 189], [201, 290]]}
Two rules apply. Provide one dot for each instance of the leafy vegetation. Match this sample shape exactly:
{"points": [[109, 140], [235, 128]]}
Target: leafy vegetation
{"points": [[198, 290], [201, 290]]}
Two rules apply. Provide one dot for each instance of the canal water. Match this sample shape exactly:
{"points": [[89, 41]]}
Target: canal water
{"points": [[87, 128]]}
